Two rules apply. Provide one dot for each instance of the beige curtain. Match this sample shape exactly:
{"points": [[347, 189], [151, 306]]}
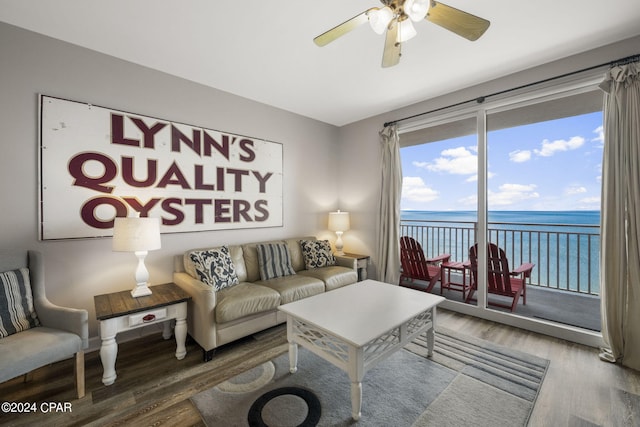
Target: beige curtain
{"points": [[389, 212], [620, 210]]}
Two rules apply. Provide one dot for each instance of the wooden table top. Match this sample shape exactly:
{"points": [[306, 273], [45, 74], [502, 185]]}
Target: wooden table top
{"points": [[454, 265], [357, 256], [122, 303]]}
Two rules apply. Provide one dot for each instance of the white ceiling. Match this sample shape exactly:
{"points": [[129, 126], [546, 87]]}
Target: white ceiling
{"points": [[263, 50]]}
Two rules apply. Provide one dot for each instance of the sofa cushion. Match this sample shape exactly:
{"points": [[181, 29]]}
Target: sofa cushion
{"points": [[295, 251], [214, 267], [274, 260], [294, 287], [317, 254], [334, 276], [16, 302], [250, 255], [237, 257], [243, 300]]}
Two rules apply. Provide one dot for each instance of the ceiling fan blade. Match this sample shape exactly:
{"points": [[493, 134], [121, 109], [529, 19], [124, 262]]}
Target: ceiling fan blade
{"points": [[342, 29], [464, 24], [391, 55]]}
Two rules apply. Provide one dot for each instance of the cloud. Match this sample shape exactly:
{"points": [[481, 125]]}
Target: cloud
{"points": [[574, 189], [415, 190], [510, 194], [458, 161], [469, 201], [520, 156], [591, 200], [474, 178], [549, 148], [600, 138]]}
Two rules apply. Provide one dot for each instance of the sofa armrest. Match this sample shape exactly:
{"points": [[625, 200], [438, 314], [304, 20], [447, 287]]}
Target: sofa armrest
{"points": [[68, 319], [200, 318], [348, 262]]}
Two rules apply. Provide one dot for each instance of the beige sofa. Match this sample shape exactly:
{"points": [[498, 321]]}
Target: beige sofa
{"points": [[219, 317]]}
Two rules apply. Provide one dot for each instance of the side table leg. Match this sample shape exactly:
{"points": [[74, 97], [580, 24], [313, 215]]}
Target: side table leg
{"points": [[108, 350], [293, 357], [166, 329], [180, 331]]}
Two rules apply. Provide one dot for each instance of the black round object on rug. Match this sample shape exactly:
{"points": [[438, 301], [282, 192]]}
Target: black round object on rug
{"points": [[313, 406]]}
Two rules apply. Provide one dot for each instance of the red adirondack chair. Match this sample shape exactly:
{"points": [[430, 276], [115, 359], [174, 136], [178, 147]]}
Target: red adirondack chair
{"points": [[416, 267], [500, 280]]}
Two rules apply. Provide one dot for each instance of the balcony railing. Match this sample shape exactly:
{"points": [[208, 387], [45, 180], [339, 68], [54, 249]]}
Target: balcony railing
{"points": [[566, 256]]}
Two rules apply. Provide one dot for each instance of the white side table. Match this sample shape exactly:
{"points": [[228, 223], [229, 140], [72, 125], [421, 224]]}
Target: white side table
{"points": [[362, 262], [119, 311]]}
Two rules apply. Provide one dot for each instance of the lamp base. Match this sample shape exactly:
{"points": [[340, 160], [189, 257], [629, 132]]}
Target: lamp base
{"points": [[339, 244], [140, 290]]}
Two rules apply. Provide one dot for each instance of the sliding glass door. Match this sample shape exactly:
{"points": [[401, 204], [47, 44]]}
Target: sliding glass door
{"points": [[439, 197], [521, 173], [543, 198]]}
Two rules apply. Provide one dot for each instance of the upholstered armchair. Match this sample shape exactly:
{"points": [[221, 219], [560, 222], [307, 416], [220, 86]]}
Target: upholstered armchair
{"points": [[38, 333]]}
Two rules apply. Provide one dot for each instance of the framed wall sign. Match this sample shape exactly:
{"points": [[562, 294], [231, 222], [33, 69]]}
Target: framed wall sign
{"points": [[97, 163]]}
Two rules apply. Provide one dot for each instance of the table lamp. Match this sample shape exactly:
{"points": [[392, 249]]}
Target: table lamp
{"points": [[339, 222], [138, 235]]}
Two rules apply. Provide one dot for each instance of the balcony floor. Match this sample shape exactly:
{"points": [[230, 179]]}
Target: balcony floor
{"points": [[569, 308]]}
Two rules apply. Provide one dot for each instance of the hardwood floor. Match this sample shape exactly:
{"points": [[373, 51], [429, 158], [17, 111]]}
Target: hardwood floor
{"points": [[153, 388]]}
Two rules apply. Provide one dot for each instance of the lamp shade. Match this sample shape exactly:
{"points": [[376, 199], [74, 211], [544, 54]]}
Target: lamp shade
{"points": [[379, 19], [406, 31], [339, 221], [134, 234], [417, 9]]}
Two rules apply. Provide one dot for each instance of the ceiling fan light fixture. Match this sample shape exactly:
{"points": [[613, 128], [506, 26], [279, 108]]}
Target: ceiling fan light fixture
{"points": [[406, 31], [379, 19], [417, 9]]}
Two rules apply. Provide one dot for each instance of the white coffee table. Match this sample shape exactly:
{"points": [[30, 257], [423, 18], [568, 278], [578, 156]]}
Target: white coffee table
{"points": [[357, 326]]}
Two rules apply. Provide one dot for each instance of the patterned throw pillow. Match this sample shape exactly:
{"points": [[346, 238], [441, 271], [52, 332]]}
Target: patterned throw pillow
{"points": [[274, 260], [317, 254], [16, 303], [214, 267]]}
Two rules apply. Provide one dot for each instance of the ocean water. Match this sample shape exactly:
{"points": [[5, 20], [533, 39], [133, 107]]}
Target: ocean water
{"points": [[564, 245], [520, 217]]}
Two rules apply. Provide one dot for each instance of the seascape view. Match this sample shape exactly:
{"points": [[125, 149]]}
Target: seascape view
{"points": [[564, 245], [513, 217], [541, 183]]}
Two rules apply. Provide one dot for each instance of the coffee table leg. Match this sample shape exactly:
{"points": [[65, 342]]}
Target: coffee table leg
{"points": [[356, 400], [356, 374], [431, 334], [293, 357]]}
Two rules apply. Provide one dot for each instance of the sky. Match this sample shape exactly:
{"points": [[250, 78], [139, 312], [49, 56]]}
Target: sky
{"points": [[552, 166]]}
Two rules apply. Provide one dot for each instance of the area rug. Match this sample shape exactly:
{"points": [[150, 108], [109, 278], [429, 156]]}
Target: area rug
{"points": [[468, 382]]}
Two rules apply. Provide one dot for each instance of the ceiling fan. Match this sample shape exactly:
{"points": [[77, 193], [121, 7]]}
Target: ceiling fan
{"points": [[396, 18]]}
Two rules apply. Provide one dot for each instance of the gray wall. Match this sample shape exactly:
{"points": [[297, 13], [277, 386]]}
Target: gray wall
{"points": [[76, 270]]}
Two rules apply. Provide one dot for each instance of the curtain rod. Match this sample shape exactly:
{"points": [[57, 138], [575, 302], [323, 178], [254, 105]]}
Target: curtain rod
{"points": [[481, 99]]}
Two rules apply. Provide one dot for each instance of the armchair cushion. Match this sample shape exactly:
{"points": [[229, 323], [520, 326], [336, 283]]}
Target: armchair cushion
{"points": [[317, 254], [274, 260], [16, 302], [214, 267], [28, 350]]}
